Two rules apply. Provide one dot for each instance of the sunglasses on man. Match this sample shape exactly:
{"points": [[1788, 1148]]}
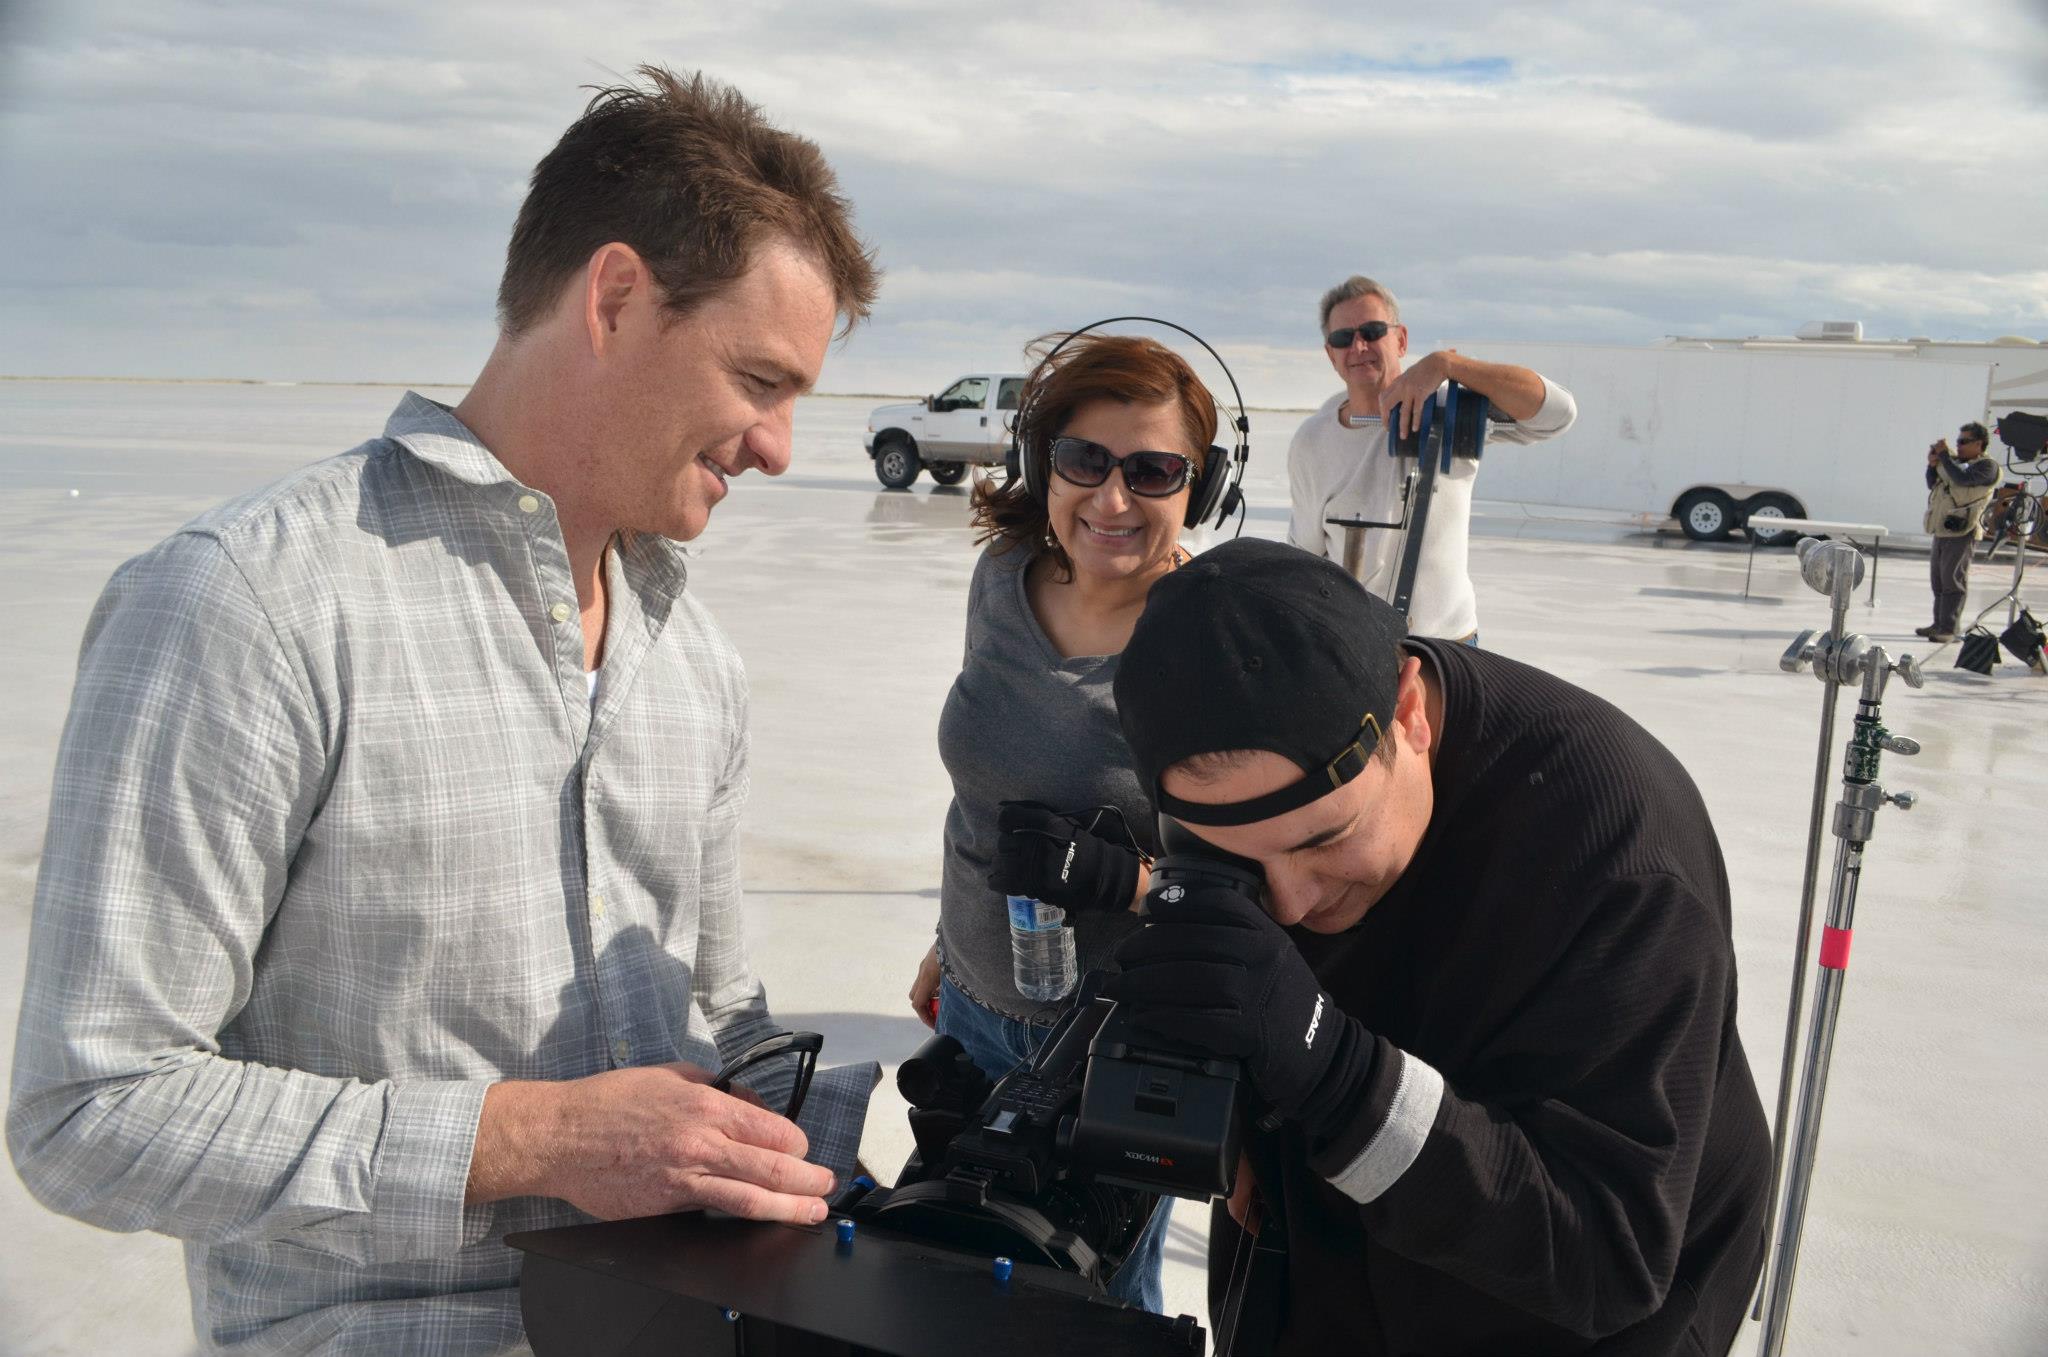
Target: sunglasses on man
{"points": [[1155, 475], [1373, 331]]}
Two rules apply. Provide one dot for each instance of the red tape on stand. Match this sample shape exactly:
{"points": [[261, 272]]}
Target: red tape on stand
{"points": [[1834, 948]]}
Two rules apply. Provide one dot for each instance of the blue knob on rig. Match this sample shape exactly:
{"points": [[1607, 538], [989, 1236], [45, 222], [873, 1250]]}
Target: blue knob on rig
{"points": [[845, 1228], [1003, 1269]]}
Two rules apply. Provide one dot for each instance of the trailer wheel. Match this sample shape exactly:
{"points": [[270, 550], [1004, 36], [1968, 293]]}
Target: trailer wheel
{"points": [[1761, 509], [896, 463], [946, 473], [1705, 515]]}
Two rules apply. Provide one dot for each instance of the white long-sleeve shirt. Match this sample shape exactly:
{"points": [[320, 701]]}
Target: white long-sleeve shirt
{"points": [[1335, 470]]}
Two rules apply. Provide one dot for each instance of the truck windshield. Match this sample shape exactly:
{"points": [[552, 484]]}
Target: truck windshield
{"points": [[967, 393]]}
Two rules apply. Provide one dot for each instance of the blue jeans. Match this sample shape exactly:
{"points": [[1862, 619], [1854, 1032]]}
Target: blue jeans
{"points": [[996, 1043]]}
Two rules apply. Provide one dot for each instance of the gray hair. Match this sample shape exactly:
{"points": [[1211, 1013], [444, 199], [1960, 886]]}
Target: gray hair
{"points": [[1351, 289]]}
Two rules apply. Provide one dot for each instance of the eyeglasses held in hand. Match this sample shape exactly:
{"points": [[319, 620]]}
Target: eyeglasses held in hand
{"points": [[1155, 475], [803, 1045], [1373, 331]]}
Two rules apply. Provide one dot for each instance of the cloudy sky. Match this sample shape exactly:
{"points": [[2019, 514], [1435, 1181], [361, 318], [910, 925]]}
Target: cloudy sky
{"points": [[295, 191]]}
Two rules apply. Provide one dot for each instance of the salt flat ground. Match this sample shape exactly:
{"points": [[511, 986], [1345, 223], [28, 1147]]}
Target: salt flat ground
{"points": [[1929, 1223]]}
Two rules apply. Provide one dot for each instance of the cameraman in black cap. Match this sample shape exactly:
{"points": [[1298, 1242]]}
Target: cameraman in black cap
{"points": [[1490, 998]]}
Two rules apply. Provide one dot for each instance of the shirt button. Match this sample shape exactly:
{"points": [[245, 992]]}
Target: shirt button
{"points": [[597, 906], [621, 1052], [560, 612], [528, 504]]}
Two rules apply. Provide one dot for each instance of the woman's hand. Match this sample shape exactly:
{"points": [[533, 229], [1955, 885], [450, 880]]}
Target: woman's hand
{"points": [[924, 991], [1241, 1193]]}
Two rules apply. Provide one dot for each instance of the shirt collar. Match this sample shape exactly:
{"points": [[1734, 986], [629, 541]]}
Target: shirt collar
{"points": [[430, 431]]}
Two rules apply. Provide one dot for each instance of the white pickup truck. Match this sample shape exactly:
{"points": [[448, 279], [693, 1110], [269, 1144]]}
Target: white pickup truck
{"points": [[965, 425]]}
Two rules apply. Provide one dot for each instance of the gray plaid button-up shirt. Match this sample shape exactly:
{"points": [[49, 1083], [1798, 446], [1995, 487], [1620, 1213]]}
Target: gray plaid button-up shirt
{"points": [[338, 838]]}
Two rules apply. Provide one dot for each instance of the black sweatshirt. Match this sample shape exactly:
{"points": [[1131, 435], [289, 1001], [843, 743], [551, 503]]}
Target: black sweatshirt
{"points": [[1559, 1147]]}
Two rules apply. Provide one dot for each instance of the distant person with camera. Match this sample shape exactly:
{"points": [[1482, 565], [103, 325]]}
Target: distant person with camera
{"points": [[1338, 467], [1118, 432], [1489, 1000], [1959, 486]]}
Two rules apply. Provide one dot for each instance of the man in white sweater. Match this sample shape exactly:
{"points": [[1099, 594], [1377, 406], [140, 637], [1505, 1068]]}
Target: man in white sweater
{"points": [[1338, 467]]}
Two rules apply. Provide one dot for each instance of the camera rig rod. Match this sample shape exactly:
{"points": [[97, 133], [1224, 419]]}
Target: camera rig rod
{"points": [[1842, 657], [1450, 428]]}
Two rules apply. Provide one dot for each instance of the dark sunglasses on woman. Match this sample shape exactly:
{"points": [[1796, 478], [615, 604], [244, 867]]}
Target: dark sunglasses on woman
{"points": [[1155, 475], [1373, 330]]}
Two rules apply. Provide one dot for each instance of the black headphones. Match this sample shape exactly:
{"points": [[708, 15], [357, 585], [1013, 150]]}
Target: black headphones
{"points": [[1215, 494]]}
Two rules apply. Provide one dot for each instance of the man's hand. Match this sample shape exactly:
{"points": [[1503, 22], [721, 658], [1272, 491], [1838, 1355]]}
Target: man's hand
{"points": [[1212, 973], [644, 1142], [1412, 388], [1051, 857]]}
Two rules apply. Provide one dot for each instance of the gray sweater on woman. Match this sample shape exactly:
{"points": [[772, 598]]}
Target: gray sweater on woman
{"points": [[1023, 724]]}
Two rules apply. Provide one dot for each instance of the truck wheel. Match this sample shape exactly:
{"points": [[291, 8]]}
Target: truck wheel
{"points": [[1705, 515], [1761, 509], [896, 464], [947, 473]]}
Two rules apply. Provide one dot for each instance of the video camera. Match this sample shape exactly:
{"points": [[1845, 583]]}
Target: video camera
{"points": [[1063, 1161], [1020, 1201]]}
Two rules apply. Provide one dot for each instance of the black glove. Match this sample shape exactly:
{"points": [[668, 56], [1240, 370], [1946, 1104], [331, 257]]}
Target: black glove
{"points": [[1053, 857], [1212, 973]]}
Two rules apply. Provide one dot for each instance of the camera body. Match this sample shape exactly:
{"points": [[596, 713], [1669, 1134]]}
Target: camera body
{"points": [[1063, 1160]]}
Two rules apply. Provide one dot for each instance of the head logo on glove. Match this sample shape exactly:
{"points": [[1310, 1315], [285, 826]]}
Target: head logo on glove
{"points": [[1314, 1020], [1067, 865]]}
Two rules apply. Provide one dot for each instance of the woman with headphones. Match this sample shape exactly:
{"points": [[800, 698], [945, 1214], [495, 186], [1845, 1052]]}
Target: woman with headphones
{"points": [[1116, 447]]}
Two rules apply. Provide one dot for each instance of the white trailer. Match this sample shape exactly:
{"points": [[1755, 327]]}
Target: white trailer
{"points": [[1715, 433]]}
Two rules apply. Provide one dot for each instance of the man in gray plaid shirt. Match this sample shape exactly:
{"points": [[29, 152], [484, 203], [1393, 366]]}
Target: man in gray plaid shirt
{"points": [[390, 898]]}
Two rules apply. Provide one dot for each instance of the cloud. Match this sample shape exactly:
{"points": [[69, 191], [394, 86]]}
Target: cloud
{"points": [[336, 182]]}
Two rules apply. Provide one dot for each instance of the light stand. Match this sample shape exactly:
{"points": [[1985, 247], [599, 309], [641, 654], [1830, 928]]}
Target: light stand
{"points": [[1837, 659], [2027, 507], [2026, 440]]}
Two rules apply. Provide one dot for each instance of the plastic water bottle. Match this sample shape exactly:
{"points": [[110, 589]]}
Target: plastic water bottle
{"points": [[1041, 950]]}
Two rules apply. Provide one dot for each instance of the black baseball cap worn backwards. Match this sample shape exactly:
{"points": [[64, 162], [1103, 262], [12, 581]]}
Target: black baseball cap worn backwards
{"points": [[1259, 645]]}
